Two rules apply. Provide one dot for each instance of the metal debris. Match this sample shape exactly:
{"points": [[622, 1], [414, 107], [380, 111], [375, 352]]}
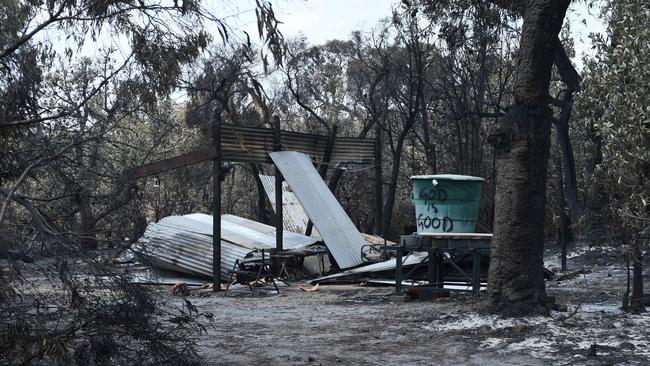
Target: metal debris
{"points": [[294, 217], [184, 243], [388, 265], [335, 227]]}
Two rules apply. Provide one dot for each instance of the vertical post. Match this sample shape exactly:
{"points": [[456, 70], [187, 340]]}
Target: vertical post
{"points": [[378, 184], [431, 274], [437, 271], [398, 269], [277, 146], [216, 202], [476, 273], [156, 186], [322, 169]]}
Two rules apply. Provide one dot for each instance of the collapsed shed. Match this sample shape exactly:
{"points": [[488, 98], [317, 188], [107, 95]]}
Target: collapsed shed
{"points": [[184, 243], [254, 145]]}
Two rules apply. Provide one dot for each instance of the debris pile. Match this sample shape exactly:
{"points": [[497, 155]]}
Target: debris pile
{"points": [[335, 251], [184, 243]]}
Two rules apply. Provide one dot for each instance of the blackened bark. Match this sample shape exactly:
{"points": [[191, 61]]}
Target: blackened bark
{"points": [[522, 140], [571, 79], [261, 194], [429, 145], [379, 183], [564, 219], [87, 235], [637, 303], [392, 190], [334, 180], [568, 161]]}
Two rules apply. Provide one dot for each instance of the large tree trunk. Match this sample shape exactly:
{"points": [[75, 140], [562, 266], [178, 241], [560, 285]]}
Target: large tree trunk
{"points": [[522, 140]]}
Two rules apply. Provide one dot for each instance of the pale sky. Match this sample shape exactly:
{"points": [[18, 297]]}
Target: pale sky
{"points": [[322, 20]]}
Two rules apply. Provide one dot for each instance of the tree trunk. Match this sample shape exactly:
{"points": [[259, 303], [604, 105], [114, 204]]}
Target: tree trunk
{"points": [[522, 140], [637, 303], [571, 79], [429, 145], [88, 240], [564, 219], [568, 161], [261, 194], [392, 190]]}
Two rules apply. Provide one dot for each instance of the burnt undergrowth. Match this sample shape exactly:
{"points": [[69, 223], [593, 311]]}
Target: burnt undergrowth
{"points": [[77, 308]]}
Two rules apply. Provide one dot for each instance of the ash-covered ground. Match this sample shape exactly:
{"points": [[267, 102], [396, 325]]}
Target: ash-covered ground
{"points": [[359, 325]]}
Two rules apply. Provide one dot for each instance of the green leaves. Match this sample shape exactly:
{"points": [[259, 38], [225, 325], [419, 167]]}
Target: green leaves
{"points": [[616, 101]]}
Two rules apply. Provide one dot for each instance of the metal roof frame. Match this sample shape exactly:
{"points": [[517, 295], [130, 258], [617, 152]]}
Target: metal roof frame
{"points": [[253, 144]]}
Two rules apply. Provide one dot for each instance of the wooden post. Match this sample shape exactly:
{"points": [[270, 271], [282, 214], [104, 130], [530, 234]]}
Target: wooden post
{"points": [[322, 169], [216, 203], [379, 200], [277, 146]]}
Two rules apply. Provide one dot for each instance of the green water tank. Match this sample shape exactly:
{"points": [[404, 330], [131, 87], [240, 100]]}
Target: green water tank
{"points": [[446, 202]]}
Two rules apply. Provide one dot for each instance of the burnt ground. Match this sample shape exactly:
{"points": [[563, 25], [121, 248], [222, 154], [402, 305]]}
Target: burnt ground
{"points": [[359, 325]]}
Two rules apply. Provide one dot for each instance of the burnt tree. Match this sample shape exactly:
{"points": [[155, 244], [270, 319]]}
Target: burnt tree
{"points": [[522, 141]]}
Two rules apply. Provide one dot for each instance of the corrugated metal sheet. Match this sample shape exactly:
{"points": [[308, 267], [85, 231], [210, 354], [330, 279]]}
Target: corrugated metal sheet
{"points": [[251, 233], [335, 227], [294, 217], [253, 144], [184, 243]]}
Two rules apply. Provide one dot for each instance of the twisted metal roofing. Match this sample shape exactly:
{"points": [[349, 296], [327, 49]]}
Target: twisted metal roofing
{"points": [[184, 243]]}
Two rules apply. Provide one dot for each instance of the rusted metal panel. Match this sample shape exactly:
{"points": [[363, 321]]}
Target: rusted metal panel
{"points": [[252, 144], [335, 227], [294, 218]]}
